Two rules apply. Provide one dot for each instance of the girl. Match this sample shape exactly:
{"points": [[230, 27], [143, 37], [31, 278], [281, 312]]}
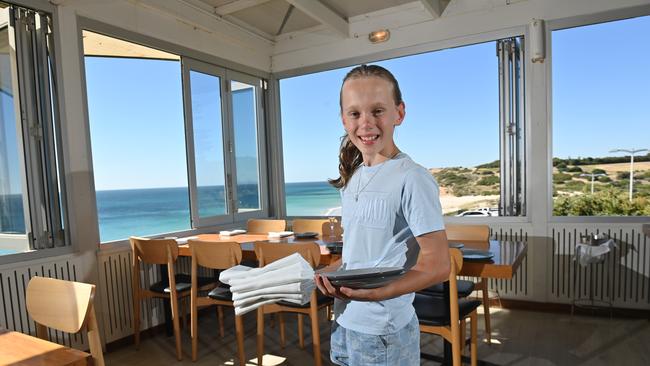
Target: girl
{"points": [[392, 218]]}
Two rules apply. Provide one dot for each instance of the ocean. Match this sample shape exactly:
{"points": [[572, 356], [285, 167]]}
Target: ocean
{"points": [[141, 212]]}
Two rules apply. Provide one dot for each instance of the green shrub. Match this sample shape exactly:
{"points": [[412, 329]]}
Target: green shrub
{"points": [[623, 175], [575, 185], [488, 181], [561, 177], [608, 202], [604, 179], [598, 171], [574, 169]]}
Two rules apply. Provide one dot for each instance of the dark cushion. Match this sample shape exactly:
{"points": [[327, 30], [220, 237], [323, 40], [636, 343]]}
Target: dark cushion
{"points": [[221, 293], [183, 283], [432, 310], [465, 288], [320, 300]]}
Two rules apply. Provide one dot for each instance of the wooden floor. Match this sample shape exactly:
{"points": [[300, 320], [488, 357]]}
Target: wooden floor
{"points": [[522, 338]]}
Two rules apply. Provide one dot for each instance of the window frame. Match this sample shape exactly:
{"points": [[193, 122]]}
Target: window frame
{"points": [[93, 25], [566, 23], [517, 31], [42, 165]]}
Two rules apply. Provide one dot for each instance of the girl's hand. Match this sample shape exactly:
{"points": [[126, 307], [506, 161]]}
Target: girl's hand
{"points": [[346, 293]]}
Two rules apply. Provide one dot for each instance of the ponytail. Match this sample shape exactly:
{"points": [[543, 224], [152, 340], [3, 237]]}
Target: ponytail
{"points": [[350, 159]]}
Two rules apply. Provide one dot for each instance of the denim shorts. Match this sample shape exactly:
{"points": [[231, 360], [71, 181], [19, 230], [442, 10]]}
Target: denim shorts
{"points": [[350, 348]]}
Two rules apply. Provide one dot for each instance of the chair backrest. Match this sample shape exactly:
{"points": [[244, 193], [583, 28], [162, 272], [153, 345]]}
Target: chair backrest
{"points": [[321, 226], [476, 234], [154, 251], [270, 252], [215, 255], [66, 306], [263, 226]]}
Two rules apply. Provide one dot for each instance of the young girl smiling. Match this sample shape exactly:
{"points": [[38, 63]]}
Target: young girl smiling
{"points": [[392, 217]]}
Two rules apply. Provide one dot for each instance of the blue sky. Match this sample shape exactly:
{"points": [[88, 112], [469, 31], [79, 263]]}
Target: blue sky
{"points": [[601, 89]]}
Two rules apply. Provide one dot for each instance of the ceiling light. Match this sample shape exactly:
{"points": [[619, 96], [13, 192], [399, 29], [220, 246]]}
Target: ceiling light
{"points": [[379, 36]]}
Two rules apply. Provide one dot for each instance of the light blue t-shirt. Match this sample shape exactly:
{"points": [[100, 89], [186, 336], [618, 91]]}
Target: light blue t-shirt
{"points": [[397, 201]]}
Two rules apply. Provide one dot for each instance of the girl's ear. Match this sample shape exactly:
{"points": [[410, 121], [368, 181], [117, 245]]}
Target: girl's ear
{"points": [[401, 112]]}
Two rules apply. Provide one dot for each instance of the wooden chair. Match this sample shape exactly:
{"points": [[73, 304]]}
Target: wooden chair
{"points": [[66, 306], [162, 252], [270, 252], [263, 226], [475, 236], [214, 255], [320, 226], [447, 319]]}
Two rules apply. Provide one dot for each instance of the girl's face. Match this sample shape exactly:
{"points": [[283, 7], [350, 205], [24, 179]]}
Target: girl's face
{"points": [[370, 115]]}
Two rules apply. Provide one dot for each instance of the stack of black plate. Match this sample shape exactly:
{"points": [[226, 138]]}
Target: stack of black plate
{"points": [[364, 277]]}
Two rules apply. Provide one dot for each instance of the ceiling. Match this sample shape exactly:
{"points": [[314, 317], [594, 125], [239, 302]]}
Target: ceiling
{"points": [[271, 18]]}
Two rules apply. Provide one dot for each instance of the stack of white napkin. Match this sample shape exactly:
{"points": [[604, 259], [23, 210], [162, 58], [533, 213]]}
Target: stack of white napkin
{"points": [[231, 232], [290, 279], [279, 234]]}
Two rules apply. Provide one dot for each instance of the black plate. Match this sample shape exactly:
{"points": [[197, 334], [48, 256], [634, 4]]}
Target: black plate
{"points": [[363, 273], [335, 247], [456, 245], [476, 255], [373, 282], [305, 235]]}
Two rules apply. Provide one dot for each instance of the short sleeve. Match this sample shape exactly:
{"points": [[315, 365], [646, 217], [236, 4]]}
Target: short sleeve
{"points": [[421, 202]]}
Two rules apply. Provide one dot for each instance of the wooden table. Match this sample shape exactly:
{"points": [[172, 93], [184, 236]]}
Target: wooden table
{"points": [[247, 240], [22, 349], [508, 256]]}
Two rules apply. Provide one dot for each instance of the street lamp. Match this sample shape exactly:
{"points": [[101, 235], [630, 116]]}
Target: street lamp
{"points": [[631, 152], [592, 175]]}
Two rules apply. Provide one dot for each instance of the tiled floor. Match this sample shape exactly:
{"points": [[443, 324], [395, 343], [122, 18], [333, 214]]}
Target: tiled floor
{"points": [[521, 338]]}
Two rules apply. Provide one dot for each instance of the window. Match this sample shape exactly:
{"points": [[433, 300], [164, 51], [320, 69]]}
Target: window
{"points": [[31, 212], [601, 161], [477, 154], [176, 142]]}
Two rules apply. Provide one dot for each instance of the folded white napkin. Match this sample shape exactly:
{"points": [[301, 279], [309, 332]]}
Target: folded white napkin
{"points": [[294, 273], [247, 272], [279, 234], [301, 287], [241, 310], [296, 298], [184, 240], [232, 232]]}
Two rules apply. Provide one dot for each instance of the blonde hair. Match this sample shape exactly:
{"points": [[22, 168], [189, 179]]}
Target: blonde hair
{"points": [[349, 156]]}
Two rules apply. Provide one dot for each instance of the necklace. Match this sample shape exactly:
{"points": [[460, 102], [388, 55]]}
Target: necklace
{"points": [[359, 188]]}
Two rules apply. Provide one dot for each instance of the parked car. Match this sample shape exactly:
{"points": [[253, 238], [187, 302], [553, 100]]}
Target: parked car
{"points": [[473, 213]]}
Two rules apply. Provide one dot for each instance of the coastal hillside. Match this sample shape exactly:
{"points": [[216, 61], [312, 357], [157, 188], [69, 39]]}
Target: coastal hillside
{"points": [[463, 188]]}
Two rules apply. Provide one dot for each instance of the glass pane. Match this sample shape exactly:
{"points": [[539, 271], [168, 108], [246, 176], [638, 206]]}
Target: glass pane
{"points": [[135, 107], [244, 112], [208, 143], [12, 219], [465, 162], [601, 161]]}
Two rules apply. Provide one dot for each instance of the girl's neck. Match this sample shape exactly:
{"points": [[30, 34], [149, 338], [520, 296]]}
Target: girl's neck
{"points": [[380, 157]]}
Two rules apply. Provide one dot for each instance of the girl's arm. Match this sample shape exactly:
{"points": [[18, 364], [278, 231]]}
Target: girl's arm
{"points": [[432, 267]]}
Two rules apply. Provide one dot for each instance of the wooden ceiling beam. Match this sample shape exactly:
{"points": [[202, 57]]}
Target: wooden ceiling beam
{"points": [[435, 7], [323, 14], [237, 5]]}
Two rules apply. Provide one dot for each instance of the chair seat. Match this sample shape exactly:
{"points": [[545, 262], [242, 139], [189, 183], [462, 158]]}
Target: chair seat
{"points": [[221, 293], [432, 310], [465, 288], [320, 300], [183, 283]]}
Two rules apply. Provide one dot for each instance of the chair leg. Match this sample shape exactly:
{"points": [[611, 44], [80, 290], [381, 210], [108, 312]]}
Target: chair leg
{"points": [[486, 310], [473, 344], [301, 335], [239, 332], [282, 333], [194, 323], [260, 335], [177, 330], [463, 340], [136, 320], [315, 331], [220, 317]]}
